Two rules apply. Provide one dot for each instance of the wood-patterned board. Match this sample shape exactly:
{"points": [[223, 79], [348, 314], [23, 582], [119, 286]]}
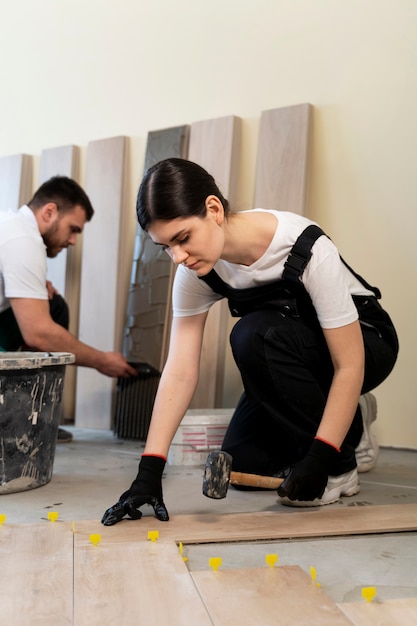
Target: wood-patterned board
{"points": [[320, 522], [53, 574], [149, 300], [62, 161], [143, 583], [398, 612], [15, 181], [64, 270], [103, 294], [36, 575], [267, 596], [283, 158], [215, 145]]}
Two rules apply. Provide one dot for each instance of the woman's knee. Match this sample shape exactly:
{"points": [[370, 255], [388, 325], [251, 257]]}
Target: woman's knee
{"points": [[248, 335]]}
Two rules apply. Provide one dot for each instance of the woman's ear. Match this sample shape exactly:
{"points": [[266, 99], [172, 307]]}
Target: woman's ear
{"points": [[215, 209]]}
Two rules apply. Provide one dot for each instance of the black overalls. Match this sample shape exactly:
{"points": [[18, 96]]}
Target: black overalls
{"points": [[286, 368]]}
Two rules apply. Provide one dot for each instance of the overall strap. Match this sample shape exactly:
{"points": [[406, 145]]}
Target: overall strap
{"points": [[218, 285], [376, 291], [300, 253], [294, 266]]}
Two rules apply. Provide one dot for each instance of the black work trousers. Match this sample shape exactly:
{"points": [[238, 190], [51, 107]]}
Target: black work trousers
{"points": [[10, 336], [287, 372]]}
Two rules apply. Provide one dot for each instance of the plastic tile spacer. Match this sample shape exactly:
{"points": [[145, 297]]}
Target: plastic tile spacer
{"points": [[181, 549], [3, 518], [368, 593], [271, 559], [53, 516], [153, 535], [313, 575], [215, 562], [95, 539]]}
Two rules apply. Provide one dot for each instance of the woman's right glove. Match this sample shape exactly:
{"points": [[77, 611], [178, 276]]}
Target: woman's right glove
{"points": [[307, 479], [145, 489]]}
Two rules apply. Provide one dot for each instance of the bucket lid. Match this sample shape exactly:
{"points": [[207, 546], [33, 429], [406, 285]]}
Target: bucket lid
{"points": [[32, 360]]}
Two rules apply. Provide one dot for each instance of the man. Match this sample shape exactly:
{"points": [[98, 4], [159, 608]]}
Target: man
{"points": [[32, 314]]}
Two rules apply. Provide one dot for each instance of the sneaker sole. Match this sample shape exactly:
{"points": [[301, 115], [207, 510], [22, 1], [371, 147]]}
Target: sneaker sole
{"points": [[330, 496]]}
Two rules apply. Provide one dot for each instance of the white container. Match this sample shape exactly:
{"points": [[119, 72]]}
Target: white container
{"points": [[200, 431]]}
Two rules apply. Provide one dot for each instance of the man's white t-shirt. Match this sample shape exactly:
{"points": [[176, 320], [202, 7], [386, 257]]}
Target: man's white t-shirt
{"points": [[23, 266], [327, 280]]}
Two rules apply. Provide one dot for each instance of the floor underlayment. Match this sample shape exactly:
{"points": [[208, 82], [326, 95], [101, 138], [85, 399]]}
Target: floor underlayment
{"points": [[96, 467]]}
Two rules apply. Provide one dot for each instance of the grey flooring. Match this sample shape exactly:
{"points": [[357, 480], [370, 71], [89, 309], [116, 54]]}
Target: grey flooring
{"points": [[91, 472]]}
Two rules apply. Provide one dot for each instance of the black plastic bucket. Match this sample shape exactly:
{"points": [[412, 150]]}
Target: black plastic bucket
{"points": [[31, 388]]}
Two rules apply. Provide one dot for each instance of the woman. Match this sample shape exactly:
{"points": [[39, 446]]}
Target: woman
{"points": [[304, 356]]}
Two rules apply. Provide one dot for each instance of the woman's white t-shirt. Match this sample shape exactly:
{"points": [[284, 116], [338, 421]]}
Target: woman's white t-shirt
{"points": [[327, 280]]}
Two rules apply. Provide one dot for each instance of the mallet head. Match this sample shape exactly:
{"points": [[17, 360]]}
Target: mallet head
{"points": [[217, 474]]}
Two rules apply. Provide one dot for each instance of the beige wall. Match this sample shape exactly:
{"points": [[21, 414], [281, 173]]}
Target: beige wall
{"points": [[76, 70]]}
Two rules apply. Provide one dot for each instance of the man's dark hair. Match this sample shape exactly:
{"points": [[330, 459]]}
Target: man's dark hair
{"points": [[65, 193]]}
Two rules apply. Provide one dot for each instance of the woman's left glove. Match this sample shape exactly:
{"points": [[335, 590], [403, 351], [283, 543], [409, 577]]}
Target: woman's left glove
{"points": [[307, 479], [145, 489]]}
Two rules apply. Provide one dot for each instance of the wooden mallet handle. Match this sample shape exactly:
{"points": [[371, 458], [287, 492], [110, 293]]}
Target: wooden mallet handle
{"points": [[255, 480]]}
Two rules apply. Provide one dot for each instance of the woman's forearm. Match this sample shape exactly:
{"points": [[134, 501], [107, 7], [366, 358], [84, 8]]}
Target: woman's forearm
{"points": [[347, 352], [340, 407], [171, 403]]}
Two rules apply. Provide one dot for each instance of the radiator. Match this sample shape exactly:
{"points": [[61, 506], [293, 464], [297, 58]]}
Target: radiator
{"points": [[134, 402]]}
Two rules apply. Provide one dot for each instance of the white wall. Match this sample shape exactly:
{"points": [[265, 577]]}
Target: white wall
{"points": [[76, 70]]}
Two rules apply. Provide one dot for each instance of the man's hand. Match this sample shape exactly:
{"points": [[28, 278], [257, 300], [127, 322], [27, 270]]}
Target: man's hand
{"points": [[307, 479], [52, 291], [114, 364], [145, 489]]}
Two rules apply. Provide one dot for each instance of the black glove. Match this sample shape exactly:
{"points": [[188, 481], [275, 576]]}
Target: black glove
{"points": [[307, 479], [145, 489]]}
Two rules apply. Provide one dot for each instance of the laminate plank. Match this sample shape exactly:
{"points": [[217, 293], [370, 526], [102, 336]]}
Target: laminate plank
{"points": [[283, 158], [103, 293], [135, 583], [62, 161], [15, 181], [398, 612], [36, 574], [215, 145], [149, 300], [64, 270], [267, 596], [320, 522]]}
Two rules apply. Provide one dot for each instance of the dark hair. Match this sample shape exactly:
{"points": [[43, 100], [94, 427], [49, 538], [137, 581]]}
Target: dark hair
{"points": [[175, 188], [65, 193]]}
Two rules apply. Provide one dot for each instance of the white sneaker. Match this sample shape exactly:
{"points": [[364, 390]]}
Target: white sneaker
{"points": [[368, 448], [343, 485]]}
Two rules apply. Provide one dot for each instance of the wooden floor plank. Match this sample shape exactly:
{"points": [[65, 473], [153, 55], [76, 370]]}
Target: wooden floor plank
{"points": [[138, 583], [36, 574], [283, 158], [103, 293], [215, 145], [399, 612], [15, 181], [320, 522], [64, 270], [267, 596], [149, 300], [63, 161], [52, 574]]}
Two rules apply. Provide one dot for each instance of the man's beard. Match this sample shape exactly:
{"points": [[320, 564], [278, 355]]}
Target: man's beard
{"points": [[49, 239]]}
